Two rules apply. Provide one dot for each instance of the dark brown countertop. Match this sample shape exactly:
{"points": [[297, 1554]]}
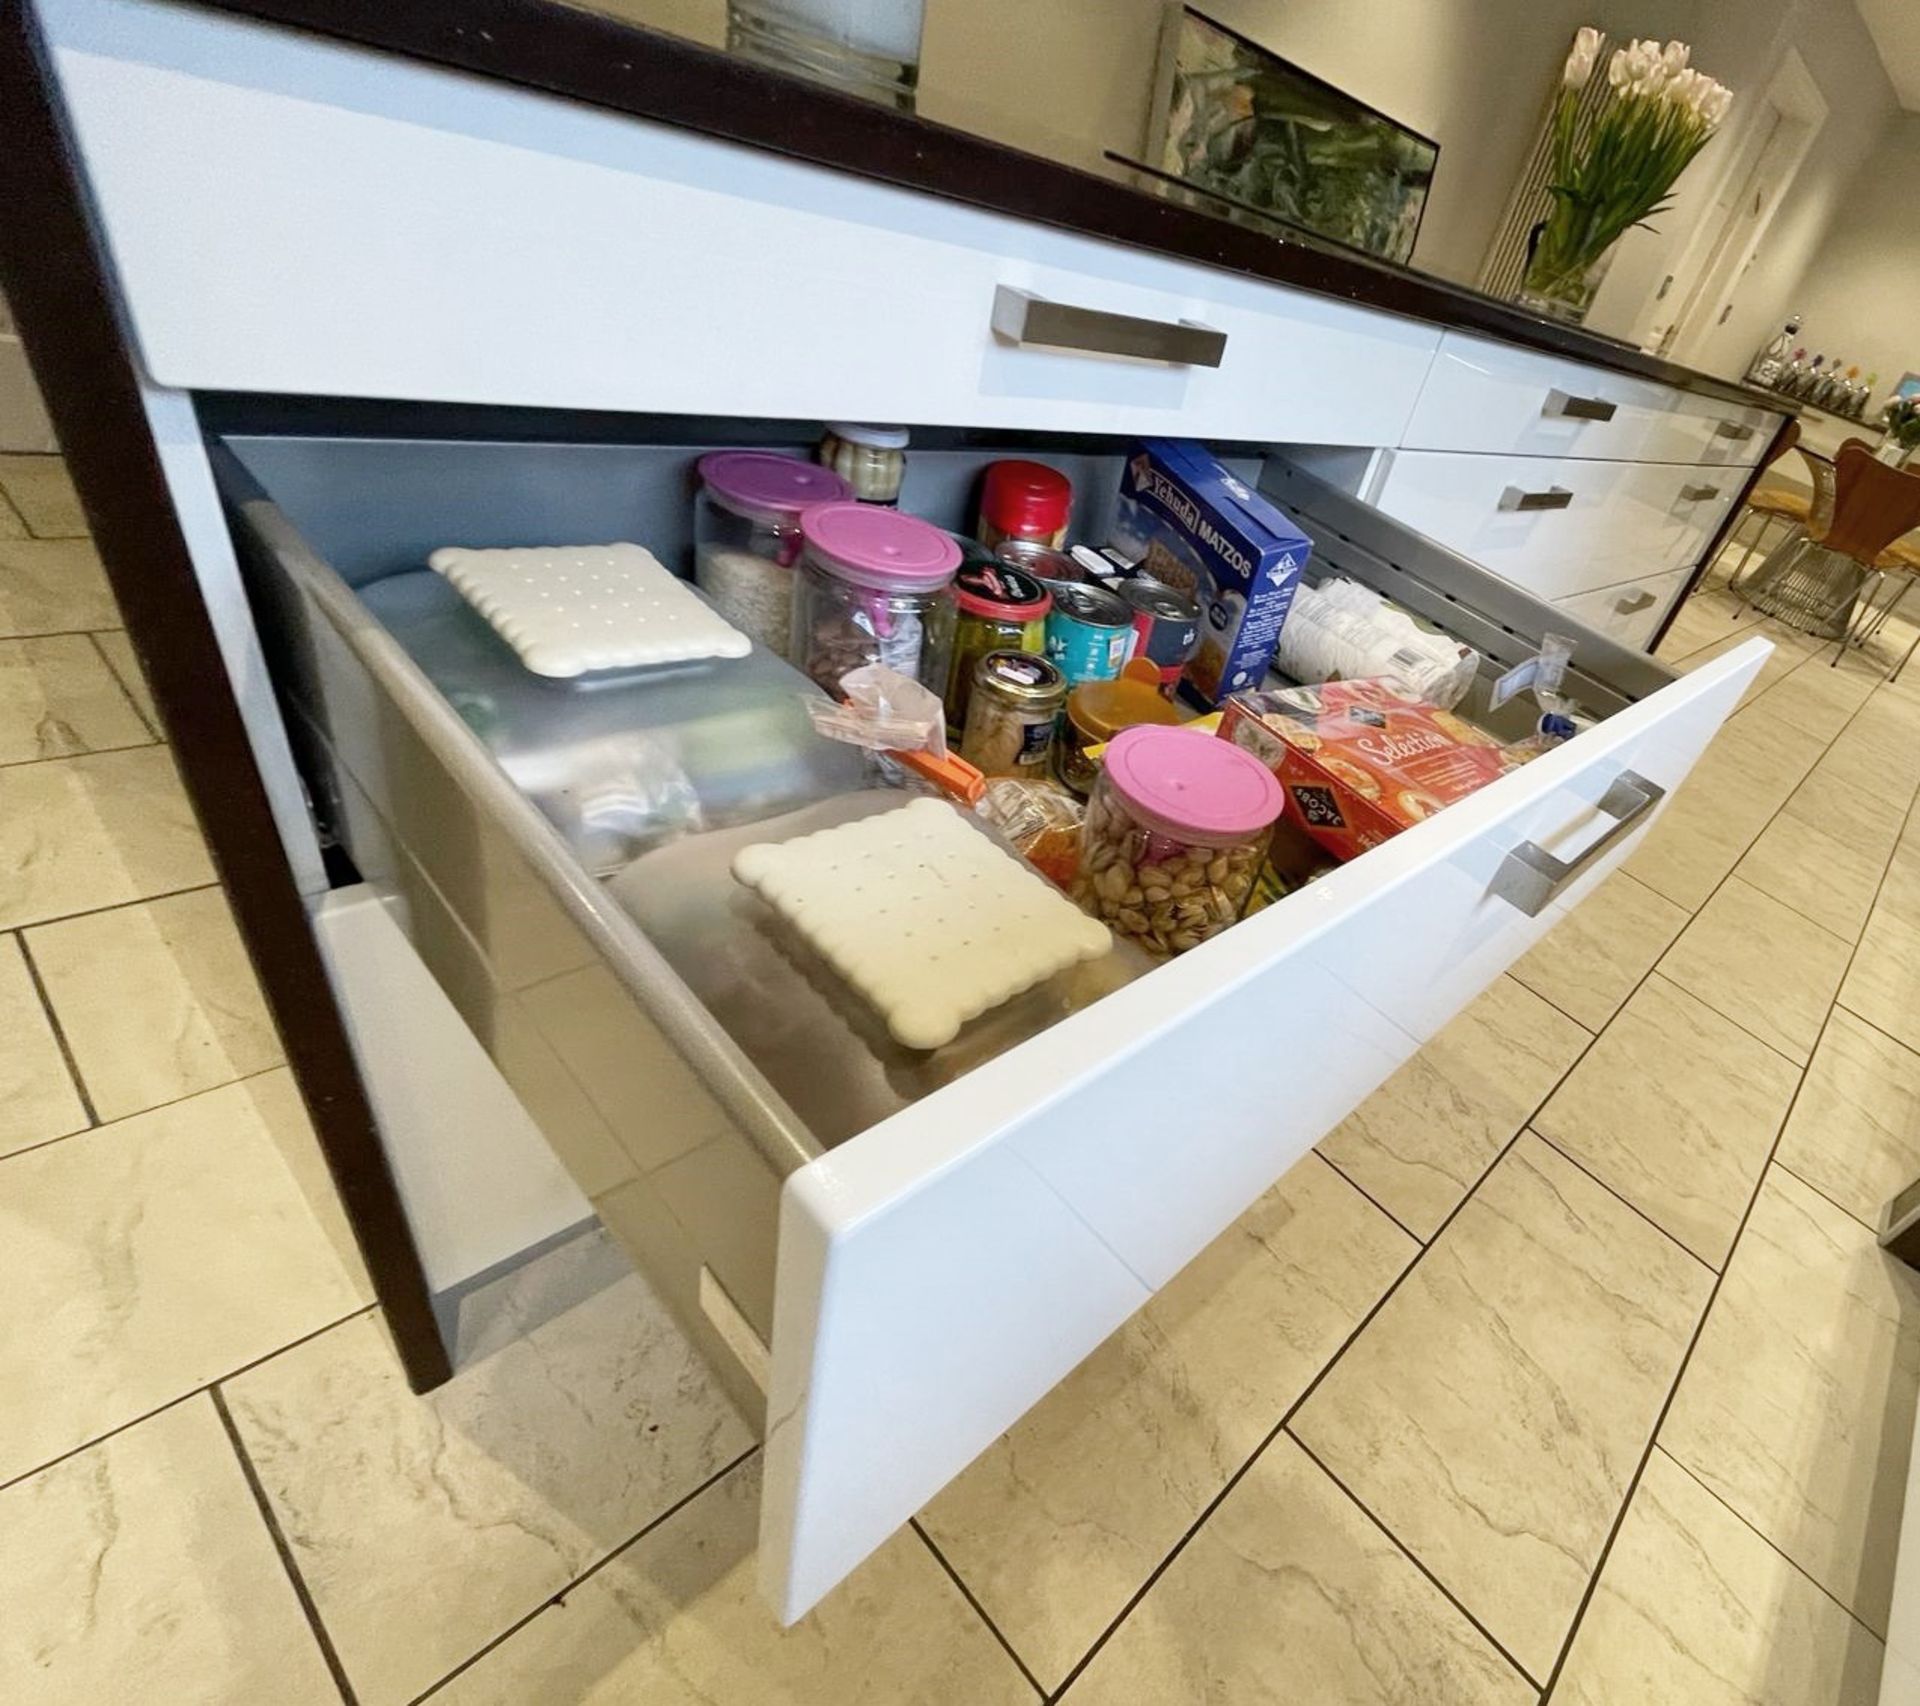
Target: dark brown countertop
{"points": [[542, 44]]}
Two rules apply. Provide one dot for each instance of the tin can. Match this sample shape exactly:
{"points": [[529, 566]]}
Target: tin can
{"points": [[1166, 626], [1011, 713], [1041, 561], [1089, 632]]}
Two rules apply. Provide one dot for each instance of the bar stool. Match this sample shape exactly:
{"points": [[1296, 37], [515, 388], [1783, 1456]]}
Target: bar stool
{"points": [[1814, 581], [1773, 503]]}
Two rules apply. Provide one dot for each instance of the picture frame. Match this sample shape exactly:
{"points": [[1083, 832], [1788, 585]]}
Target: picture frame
{"points": [[1247, 128]]}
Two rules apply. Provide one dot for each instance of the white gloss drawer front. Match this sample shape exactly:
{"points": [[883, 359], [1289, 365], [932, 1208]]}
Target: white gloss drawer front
{"points": [[1559, 527], [386, 230], [1491, 397], [940, 1272], [1629, 613]]}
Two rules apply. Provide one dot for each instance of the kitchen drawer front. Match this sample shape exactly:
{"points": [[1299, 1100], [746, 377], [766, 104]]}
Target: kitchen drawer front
{"points": [[383, 230], [1607, 522], [939, 1273], [1630, 613], [1491, 397]]}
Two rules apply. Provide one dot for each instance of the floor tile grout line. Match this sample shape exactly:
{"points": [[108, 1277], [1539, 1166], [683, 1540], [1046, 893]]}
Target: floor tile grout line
{"points": [[85, 751], [1580, 1166], [121, 1119], [126, 692], [184, 1397], [559, 1595], [13, 509], [1348, 1179], [61, 633], [1407, 1552], [980, 1611], [114, 906], [1826, 1196], [1746, 1031], [1878, 1030], [1771, 1544], [328, 1652], [1713, 1294], [60, 1041]]}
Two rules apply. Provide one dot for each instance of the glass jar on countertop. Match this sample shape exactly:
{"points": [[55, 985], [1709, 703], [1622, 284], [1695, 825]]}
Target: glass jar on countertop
{"points": [[997, 609], [1011, 714], [746, 531], [1174, 837], [871, 459], [874, 586]]}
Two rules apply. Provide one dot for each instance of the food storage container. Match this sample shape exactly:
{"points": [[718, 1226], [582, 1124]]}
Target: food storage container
{"points": [[873, 586], [746, 531], [871, 459], [1024, 500], [1175, 833], [1015, 702], [1089, 631], [1096, 711], [997, 609]]}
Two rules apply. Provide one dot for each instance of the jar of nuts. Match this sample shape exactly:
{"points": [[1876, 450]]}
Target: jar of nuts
{"points": [[1175, 834]]}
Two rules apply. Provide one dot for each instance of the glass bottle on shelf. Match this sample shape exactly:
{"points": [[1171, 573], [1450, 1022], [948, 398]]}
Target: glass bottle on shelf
{"points": [[1789, 380], [1827, 387], [1770, 360]]}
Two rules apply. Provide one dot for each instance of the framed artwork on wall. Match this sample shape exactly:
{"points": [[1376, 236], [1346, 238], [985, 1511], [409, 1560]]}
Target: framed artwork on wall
{"points": [[1909, 386], [1253, 130]]}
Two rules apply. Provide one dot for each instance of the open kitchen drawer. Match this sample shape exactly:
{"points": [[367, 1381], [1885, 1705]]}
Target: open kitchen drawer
{"points": [[907, 1275]]}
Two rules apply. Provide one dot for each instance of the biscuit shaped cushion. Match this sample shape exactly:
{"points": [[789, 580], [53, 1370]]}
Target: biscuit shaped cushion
{"points": [[572, 609], [931, 921]]}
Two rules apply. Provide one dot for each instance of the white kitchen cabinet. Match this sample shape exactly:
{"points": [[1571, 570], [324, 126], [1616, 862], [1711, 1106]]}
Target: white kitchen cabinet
{"points": [[1630, 613], [285, 215]]}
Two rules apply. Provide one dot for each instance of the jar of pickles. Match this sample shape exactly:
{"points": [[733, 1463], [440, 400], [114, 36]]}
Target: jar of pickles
{"points": [[874, 586], [1096, 711], [871, 459], [997, 609], [1174, 837], [746, 532], [1015, 701]]}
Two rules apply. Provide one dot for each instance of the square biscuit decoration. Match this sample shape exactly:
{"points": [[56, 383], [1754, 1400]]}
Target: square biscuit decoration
{"points": [[931, 921]]}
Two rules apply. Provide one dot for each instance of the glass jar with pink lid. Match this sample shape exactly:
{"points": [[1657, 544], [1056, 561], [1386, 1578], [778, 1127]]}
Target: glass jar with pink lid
{"points": [[874, 586], [1174, 837], [746, 536]]}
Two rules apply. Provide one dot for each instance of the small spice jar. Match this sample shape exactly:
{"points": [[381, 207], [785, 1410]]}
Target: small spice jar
{"points": [[871, 459], [1096, 711], [1174, 838], [1011, 715], [1024, 500], [999, 609], [746, 530], [873, 586]]}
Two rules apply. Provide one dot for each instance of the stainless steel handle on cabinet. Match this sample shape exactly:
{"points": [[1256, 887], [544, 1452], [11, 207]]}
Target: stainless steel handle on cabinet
{"points": [[1530, 876], [1555, 497], [1572, 408], [1632, 602], [1734, 430], [1698, 494], [1022, 318]]}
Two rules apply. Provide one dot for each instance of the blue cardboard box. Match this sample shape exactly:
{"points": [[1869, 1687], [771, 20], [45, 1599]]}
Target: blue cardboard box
{"points": [[1195, 525]]}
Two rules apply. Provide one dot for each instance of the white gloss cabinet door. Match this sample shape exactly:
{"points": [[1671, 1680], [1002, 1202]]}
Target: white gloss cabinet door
{"points": [[385, 229], [1629, 613], [939, 1273]]}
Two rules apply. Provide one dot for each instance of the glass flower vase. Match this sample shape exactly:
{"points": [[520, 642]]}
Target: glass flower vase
{"points": [[1561, 288]]}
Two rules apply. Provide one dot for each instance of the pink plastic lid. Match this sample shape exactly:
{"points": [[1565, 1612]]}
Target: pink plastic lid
{"points": [[768, 488], [879, 548], [1192, 786]]}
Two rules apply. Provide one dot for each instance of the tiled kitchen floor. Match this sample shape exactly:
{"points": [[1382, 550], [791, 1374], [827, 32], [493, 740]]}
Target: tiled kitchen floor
{"points": [[1569, 1361]]}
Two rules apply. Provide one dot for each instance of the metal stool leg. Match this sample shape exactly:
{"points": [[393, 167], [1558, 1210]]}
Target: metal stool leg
{"points": [[1753, 544]]}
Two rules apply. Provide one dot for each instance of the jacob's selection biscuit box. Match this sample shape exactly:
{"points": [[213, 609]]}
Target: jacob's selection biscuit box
{"points": [[1188, 521], [1362, 760]]}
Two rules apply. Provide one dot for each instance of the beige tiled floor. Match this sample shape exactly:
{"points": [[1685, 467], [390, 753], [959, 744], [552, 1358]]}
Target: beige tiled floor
{"points": [[1569, 1362]]}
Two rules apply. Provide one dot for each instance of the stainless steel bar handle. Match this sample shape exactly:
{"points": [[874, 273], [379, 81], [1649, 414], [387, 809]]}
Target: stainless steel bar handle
{"points": [[1555, 497], [1698, 494], [1529, 877], [1569, 407], [1023, 318], [1734, 430], [1632, 602]]}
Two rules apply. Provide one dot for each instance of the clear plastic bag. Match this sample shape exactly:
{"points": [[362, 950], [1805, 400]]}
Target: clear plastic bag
{"points": [[1041, 820], [1342, 631], [883, 711]]}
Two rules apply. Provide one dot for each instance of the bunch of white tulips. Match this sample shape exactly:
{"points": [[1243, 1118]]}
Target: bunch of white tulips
{"points": [[1616, 172]]}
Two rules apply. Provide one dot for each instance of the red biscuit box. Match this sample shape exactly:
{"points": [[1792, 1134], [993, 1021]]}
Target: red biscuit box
{"points": [[1361, 760]]}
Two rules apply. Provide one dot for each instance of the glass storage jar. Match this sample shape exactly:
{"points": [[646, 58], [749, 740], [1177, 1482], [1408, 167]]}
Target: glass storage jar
{"points": [[1010, 718], [1175, 835], [871, 459], [997, 609], [874, 586], [746, 532], [1096, 711]]}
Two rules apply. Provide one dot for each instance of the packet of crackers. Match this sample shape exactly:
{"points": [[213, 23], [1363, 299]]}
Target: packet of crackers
{"points": [[1362, 760]]}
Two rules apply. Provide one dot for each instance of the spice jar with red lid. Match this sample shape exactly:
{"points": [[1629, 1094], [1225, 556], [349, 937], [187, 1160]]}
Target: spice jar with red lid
{"points": [[1024, 500]]}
